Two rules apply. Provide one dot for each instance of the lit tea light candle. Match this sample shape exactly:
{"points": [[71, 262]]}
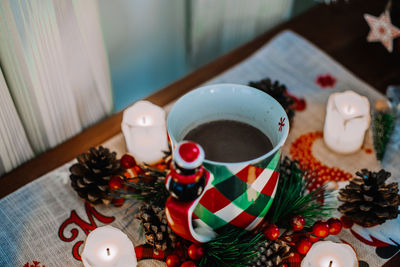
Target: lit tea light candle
{"points": [[330, 254], [347, 119], [143, 126], [108, 246]]}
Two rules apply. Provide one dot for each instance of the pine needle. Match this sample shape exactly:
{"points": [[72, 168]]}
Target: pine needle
{"points": [[233, 247], [383, 126], [292, 197]]}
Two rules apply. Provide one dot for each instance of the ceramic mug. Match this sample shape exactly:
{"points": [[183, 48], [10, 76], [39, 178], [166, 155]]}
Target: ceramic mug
{"points": [[239, 193]]}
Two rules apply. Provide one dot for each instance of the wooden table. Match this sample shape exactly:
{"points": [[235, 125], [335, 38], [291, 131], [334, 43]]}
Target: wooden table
{"points": [[339, 30]]}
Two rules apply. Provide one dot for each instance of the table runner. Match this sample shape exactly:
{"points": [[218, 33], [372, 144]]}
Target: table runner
{"points": [[37, 222]]}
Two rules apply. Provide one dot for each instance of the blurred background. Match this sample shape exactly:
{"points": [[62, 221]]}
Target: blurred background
{"points": [[65, 65], [179, 36]]}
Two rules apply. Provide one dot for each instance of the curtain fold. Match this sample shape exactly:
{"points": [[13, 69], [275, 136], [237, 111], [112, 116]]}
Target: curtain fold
{"points": [[218, 26], [14, 144], [54, 61]]}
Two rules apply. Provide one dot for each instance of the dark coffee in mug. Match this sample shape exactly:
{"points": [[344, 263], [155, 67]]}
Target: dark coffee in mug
{"points": [[230, 141]]}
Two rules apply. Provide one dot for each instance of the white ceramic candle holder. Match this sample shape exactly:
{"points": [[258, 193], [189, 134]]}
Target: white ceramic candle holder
{"points": [[347, 119]]}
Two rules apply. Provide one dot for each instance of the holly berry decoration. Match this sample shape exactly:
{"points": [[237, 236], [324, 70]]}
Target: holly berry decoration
{"points": [[128, 161], [115, 182], [118, 202], [335, 226], [303, 246], [132, 170], [320, 229], [297, 222], [173, 261], [196, 251], [271, 232], [189, 264]]}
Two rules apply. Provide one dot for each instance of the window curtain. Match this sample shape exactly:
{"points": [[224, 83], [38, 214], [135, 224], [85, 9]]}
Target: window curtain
{"points": [[55, 78], [215, 27]]}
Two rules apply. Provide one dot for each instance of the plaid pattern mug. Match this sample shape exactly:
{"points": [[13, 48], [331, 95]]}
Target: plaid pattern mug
{"points": [[239, 193]]}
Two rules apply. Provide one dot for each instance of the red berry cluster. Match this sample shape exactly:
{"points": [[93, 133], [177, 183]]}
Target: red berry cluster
{"points": [[320, 230], [195, 252], [303, 240], [131, 172]]}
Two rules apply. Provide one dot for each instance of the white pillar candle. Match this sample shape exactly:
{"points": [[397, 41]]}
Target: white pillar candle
{"points": [[108, 246], [330, 254], [143, 126], [347, 119]]}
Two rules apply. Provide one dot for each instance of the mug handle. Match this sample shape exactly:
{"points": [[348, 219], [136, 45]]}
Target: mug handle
{"points": [[179, 215]]}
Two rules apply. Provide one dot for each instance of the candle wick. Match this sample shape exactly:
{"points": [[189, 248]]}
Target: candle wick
{"points": [[330, 263], [144, 120], [108, 252]]}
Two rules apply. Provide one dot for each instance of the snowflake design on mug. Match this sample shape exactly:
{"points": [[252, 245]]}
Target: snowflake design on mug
{"points": [[281, 123]]}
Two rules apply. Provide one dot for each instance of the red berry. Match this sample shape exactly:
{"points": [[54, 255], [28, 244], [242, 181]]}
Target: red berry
{"points": [[346, 222], [188, 264], [115, 182], [297, 222], [172, 261], [271, 232], [127, 161], [320, 229], [118, 201], [196, 251], [303, 246], [335, 226], [138, 169]]}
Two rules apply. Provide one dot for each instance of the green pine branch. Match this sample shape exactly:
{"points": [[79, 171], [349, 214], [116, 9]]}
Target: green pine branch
{"points": [[292, 197], [232, 247], [153, 193]]}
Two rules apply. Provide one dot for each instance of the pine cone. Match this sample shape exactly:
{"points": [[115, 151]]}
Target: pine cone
{"points": [[288, 166], [368, 200], [90, 176], [278, 92], [271, 253], [157, 232]]}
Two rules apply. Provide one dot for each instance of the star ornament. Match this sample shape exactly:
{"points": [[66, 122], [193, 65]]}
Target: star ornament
{"points": [[382, 30]]}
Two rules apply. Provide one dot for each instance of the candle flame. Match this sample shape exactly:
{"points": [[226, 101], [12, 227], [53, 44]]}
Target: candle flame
{"points": [[349, 109], [145, 120]]}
